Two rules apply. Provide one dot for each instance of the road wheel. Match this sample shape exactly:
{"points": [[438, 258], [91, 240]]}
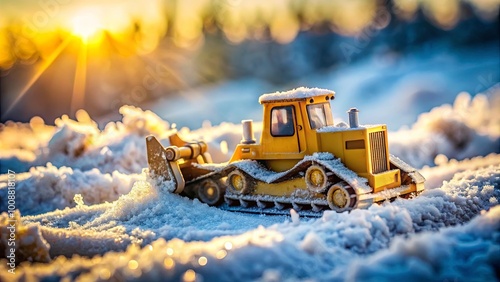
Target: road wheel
{"points": [[239, 182], [210, 192], [341, 197], [316, 179]]}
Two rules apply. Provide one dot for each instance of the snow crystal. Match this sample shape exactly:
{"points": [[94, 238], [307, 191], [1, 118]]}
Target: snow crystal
{"points": [[79, 200], [295, 217]]}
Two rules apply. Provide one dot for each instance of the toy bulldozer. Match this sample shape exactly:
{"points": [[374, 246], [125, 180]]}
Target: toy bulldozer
{"points": [[303, 161]]}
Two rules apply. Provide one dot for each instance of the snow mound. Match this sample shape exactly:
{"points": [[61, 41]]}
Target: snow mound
{"points": [[449, 255], [469, 128], [21, 143], [457, 201], [147, 213], [26, 240], [120, 146], [46, 188], [25, 136], [445, 169], [81, 144]]}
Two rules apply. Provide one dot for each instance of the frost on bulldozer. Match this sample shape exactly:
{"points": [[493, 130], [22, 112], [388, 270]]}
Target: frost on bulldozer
{"points": [[303, 161]]}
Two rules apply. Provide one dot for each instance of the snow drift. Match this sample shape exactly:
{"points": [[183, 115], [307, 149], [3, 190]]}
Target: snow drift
{"points": [[170, 237], [46, 188], [469, 128], [81, 144]]}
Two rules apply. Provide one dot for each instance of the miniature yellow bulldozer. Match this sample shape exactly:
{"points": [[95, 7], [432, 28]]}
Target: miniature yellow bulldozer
{"points": [[303, 161]]}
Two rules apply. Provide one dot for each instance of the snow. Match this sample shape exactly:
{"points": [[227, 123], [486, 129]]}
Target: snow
{"points": [[344, 127], [446, 169], [297, 93], [439, 235], [469, 127], [61, 184], [451, 254], [119, 146], [28, 242]]}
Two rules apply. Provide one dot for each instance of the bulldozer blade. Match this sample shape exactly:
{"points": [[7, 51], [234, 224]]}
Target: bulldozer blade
{"points": [[161, 168]]}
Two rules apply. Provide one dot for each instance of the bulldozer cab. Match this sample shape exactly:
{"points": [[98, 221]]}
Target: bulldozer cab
{"points": [[290, 123]]}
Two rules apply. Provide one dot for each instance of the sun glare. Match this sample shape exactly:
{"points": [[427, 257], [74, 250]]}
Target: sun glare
{"points": [[86, 25]]}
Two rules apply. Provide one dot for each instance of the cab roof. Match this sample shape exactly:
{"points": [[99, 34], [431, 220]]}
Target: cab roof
{"points": [[301, 93]]}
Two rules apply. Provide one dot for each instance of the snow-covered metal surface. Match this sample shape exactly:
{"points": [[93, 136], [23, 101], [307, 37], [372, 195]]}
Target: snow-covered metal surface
{"points": [[277, 200], [273, 210], [341, 127], [297, 93], [401, 164]]}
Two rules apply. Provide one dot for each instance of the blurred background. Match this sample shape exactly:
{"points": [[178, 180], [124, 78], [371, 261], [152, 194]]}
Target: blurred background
{"points": [[191, 61]]}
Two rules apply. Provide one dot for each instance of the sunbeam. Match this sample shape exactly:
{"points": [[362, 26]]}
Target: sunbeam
{"points": [[44, 66], [78, 96]]}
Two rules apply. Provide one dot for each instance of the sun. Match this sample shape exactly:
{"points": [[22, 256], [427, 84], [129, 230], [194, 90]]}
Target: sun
{"points": [[86, 25]]}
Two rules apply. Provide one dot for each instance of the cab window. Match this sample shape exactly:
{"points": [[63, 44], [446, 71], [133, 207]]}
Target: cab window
{"points": [[317, 115], [282, 121]]}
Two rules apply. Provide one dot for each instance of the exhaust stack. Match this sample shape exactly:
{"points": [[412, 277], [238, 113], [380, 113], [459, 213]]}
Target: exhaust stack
{"points": [[248, 137], [353, 117]]}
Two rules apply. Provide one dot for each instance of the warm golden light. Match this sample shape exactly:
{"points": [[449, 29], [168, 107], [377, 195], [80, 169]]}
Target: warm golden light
{"points": [[125, 52], [133, 264], [202, 261], [189, 276], [221, 254], [39, 71], [168, 263], [86, 25]]}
